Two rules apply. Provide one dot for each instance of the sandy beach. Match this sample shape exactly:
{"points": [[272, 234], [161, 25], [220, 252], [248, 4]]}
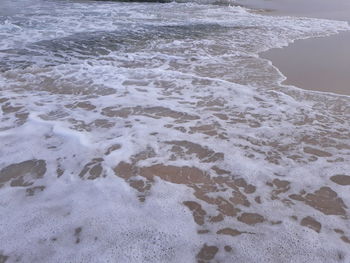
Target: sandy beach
{"points": [[155, 132], [319, 64]]}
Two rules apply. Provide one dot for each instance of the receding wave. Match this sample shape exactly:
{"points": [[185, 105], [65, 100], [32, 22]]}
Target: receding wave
{"points": [[148, 132]]}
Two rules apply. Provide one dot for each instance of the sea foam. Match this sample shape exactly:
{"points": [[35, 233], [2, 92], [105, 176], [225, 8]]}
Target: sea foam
{"points": [[147, 132]]}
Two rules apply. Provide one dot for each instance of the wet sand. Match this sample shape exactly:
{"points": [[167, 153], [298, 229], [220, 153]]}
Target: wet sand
{"points": [[159, 141], [320, 64]]}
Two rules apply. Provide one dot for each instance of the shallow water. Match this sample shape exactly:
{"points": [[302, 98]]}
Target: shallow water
{"points": [[147, 132], [319, 64]]}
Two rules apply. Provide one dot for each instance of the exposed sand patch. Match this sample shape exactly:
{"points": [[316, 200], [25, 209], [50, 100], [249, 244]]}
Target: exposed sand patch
{"points": [[341, 179], [23, 174], [92, 170], [325, 200], [207, 253], [251, 218], [197, 211], [153, 112], [312, 223], [183, 148], [231, 232], [317, 152]]}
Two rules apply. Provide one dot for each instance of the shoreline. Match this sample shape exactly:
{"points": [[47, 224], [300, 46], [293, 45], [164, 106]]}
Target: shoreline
{"points": [[318, 64]]}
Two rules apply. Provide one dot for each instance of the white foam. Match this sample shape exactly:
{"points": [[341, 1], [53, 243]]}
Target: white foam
{"points": [[162, 60]]}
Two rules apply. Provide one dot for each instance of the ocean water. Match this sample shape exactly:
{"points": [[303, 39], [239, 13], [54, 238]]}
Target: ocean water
{"points": [[154, 132]]}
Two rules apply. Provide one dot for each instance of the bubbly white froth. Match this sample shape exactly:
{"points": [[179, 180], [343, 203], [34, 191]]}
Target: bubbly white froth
{"points": [[127, 127]]}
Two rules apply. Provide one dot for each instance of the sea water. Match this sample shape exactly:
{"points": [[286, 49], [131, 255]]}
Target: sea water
{"points": [[154, 132]]}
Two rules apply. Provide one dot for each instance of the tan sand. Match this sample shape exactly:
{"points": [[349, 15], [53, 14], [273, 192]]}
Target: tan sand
{"points": [[321, 64]]}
